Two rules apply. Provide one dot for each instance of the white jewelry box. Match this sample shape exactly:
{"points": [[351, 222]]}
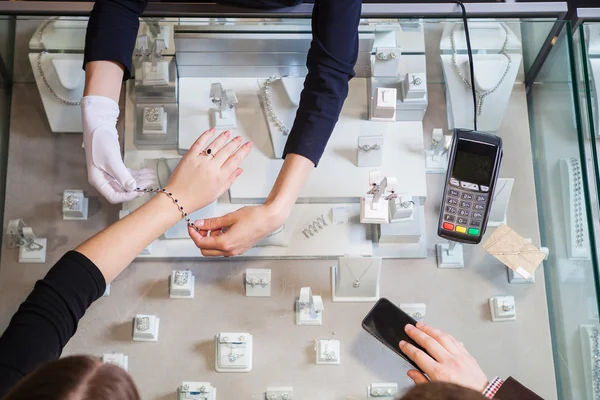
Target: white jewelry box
{"points": [[258, 282], [384, 104], [233, 352], [154, 121], [196, 391], [327, 351], [181, 284], [74, 205], [145, 328]]}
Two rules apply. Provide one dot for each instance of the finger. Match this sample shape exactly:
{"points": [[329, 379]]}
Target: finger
{"points": [[230, 181], [122, 175], [226, 151], [432, 346], [234, 161], [201, 142], [443, 338], [424, 361], [143, 174], [215, 145], [216, 253], [115, 197], [144, 183], [211, 224], [417, 377]]}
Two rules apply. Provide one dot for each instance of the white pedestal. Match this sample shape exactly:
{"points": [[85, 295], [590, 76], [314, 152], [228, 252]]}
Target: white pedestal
{"points": [[402, 209], [513, 277], [386, 62], [181, 284], [147, 333], [500, 199], [118, 359], [368, 215], [155, 75], [74, 205], [154, 121], [197, 391], [383, 104], [339, 215], [370, 151], [447, 259], [327, 351], [382, 391], [27, 256], [414, 87], [233, 352], [435, 164], [258, 282], [308, 316], [343, 283], [280, 393], [416, 310], [503, 308], [223, 120], [69, 72]]}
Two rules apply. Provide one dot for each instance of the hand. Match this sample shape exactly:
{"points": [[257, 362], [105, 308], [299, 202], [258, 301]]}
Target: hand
{"points": [[448, 361], [106, 170], [200, 179], [236, 232]]}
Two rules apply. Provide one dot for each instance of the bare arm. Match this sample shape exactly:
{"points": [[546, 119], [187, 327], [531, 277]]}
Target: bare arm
{"points": [[103, 78]]}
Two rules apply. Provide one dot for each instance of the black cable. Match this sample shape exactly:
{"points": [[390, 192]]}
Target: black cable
{"points": [[468, 40]]}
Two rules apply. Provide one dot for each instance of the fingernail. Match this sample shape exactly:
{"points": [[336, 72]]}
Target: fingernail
{"points": [[421, 325], [249, 144], [409, 327], [226, 133], [237, 138], [402, 343], [199, 222], [411, 374], [211, 130], [240, 172]]}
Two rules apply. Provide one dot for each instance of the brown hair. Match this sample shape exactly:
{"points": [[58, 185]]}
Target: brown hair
{"points": [[441, 391], [76, 378]]}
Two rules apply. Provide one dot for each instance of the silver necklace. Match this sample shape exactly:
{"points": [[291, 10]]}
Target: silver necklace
{"points": [[577, 202], [356, 283], [596, 363], [481, 96], [41, 70], [266, 94]]}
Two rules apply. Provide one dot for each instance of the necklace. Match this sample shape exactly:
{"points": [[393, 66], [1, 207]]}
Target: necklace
{"points": [[596, 363], [481, 96], [356, 283], [577, 202], [266, 94]]}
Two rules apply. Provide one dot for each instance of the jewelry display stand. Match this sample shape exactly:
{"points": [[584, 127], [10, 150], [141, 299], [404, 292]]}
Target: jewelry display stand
{"points": [[60, 81], [590, 354], [402, 209], [279, 393], [223, 117], [383, 104], [196, 391], [74, 205], [370, 153], [233, 352], [503, 308], [436, 159], [145, 328], [576, 222], [502, 192], [327, 351], [374, 208], [514, 277], [309, 308], [181, 284], [32, 250], [62, 33], [356, 279], [386, 62], [258, 282], [450, 255], [382, 391], [118, 359], [416, 310], [413, 101]]}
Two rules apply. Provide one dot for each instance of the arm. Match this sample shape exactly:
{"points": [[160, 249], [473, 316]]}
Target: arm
{"points": [[46, 321], [330, 63]]}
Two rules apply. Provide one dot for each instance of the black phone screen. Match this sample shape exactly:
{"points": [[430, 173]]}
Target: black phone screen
{"points": [[474, 162], [386, 322]]}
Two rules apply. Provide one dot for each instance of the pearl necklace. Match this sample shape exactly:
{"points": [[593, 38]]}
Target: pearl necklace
{"points": [[266, 94], [481, 96]]}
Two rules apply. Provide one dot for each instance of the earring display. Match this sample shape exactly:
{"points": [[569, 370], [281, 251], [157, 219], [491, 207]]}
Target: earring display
{"points": [[224, 116], [500, 200], [382, 391], [373, 208], [413, 103], [155, 121], [436, 158], [416, 310], [32, 250], [339, 215], [503, 308], [196, 391], [386, 62], [145, 328], [327, 351], [383, 104], [118, 359], [356, 279], [309, 308], [181, 284], [279, 393], [74, 205], [370, 151], [233, 352], [402, 208], [450, 255], [576, 222], [258, 282]]}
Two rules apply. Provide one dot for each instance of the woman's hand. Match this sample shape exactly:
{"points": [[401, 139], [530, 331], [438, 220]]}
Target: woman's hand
{"points": [[200, 178], [448, 360]]}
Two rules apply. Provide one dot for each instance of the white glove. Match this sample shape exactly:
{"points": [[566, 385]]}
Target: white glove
{"points": [[106, 170]]}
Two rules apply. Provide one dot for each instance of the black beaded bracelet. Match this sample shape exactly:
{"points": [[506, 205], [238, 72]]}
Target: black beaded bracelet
{"points": [[175, 201]]}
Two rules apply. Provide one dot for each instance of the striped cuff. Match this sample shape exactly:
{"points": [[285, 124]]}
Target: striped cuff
{"points": [[491, 389]]}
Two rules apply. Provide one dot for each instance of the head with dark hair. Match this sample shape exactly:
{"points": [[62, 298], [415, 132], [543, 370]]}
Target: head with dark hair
{"points": [[76, 378], [441, 391]]}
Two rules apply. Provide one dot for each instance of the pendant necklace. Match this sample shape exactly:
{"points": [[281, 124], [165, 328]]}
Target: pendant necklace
{"points": [[481, 96], [356, 283]]}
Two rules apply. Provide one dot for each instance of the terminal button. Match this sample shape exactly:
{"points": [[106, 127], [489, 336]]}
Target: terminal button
{"points": [[461, 229], [448, 226], [473, 231]]}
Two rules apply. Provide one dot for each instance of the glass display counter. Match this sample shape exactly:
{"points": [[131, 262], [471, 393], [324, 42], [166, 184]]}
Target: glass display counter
{"points": [[246, 74]]}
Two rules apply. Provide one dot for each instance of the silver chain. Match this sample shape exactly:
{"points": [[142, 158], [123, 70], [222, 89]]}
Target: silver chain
{"points": [[596, 363], [578, 202], [481, 96], [357, 280], [266, 92]]}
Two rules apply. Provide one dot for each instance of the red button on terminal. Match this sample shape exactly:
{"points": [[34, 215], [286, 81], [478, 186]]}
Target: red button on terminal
{"points": [[447, 226]]}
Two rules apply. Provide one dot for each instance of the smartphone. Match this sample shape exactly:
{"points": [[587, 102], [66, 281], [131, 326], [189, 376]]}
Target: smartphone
{"points": [[386, 323]]}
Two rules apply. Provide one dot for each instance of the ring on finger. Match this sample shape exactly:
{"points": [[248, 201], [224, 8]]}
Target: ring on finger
{"points": [[208, 152]]}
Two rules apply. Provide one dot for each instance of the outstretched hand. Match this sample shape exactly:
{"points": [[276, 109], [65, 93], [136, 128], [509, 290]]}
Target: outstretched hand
{"points": [[448, 360]]}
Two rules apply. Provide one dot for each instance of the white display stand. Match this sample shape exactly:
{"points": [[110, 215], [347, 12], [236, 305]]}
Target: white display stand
{"points": [[386, 61], [181, 284], [155, 121], [595, 73], [61, 117], [118, 359], [367, 270], [34, 255], [500, 199], [223, 114], [279, 393], [587, 336], [503, 308], [374, 208], [402, 209], [575, 216], [383, 104], [64, 33], [258, 282], [436, 158], [145, 328], [155, 74], [382, 391], [370, 151], [74, 205], [450, 255], [233, 352], [309, 308], [416, 310], [197, 391], [485, 34], [327, 352]]}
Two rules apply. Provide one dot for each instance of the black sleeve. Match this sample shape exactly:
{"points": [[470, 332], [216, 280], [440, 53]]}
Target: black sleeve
{"points": [[112, 32], [48, 318], [331, 59]]}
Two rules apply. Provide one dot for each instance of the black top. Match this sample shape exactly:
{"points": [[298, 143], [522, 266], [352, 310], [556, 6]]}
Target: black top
{"points": [[113, 28], [46, 321]]}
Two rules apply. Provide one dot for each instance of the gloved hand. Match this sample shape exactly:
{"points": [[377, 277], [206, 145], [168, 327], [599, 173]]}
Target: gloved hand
{"points": [[106, 170]]}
